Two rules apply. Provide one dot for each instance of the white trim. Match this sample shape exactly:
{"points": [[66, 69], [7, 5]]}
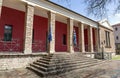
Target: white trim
{"points": [[30, 3], [62, 11]]}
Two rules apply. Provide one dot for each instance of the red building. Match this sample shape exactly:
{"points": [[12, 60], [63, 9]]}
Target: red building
{"points": [[12, 23], [25, 24]]}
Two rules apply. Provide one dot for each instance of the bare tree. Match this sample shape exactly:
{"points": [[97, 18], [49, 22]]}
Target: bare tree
{"points": [[66, 1], [99, 8]]}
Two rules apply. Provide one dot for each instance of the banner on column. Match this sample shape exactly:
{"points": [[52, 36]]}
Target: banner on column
{"points": [[50, 34]]}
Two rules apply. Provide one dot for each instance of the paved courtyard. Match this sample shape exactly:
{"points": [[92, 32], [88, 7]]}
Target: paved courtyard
{"points": [[109, 69]]}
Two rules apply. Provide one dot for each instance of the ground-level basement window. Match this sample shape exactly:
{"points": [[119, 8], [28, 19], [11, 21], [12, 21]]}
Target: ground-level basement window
{"points": [[8, 33]]}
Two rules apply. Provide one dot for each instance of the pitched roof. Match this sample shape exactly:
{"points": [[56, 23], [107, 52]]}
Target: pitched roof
{"points": [[105, 23]]}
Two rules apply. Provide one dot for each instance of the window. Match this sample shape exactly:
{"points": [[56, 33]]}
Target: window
{"points": [[116, 29], [107, 34], [64, 39], [7, 33], [117, 37]]}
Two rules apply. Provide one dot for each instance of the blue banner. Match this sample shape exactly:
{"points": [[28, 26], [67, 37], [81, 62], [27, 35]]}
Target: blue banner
{"points": [[50, 34]]}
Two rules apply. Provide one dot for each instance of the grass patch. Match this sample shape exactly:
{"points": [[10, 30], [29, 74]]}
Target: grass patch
{"points": [[117, 57]]}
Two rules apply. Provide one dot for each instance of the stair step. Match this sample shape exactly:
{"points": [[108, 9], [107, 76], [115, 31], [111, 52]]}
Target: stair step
{"points": [[52, 65], [59, 66], [62, 58], [65, 61], [37, 71], [60, 63], [59, 71], [69, 65], [39, 67], [43, 61], [78, 62], [48, 56], [41, 64]]}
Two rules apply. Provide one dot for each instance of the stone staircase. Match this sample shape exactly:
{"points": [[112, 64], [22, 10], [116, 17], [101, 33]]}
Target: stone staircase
{"points": [[60, 63]]}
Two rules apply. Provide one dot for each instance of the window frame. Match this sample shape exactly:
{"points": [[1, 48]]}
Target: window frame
{"points": [[9, 30], [107, 39]]}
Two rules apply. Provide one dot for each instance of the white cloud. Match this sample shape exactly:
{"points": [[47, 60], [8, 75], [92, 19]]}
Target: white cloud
{"points": [[117, 15], [114, 19]]}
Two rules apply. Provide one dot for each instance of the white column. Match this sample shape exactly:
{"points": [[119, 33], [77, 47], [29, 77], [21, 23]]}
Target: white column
{"points": [[28, 29], [90, 39], [70, 47], [51, 23], [96, 40], [81, 37]]}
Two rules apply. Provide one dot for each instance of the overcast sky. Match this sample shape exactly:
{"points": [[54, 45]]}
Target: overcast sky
{"points": [[79, 7]]}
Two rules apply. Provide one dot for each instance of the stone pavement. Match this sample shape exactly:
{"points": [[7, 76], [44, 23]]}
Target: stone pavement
{"points": [[109, 69]]}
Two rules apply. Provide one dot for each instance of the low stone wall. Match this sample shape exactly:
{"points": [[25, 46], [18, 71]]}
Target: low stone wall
{"points": [[100, 55], [89, 54], [11, 61]]}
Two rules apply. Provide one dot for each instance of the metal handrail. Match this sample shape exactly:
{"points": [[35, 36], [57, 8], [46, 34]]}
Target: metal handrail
{"points": [[12, 46]]}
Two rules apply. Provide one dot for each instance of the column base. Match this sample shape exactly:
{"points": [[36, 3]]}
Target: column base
{"points": [[51, 52], [71, 52], [27, 52]]}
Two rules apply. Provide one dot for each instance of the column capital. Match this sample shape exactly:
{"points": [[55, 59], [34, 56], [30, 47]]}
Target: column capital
{"points": [[82, 22], [29, 3], [53, 12], [70, 19]]}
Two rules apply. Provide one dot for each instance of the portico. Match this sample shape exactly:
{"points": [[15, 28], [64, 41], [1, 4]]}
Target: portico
{"points": [[40, 19], [26, 25]]}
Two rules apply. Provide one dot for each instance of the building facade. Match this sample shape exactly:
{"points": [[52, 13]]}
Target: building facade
{"points": [[25, 26], [106, 36], [116, 28]]}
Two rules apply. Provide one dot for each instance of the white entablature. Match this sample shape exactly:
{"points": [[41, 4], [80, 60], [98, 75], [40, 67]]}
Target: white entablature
{"points": [[62, 11]]}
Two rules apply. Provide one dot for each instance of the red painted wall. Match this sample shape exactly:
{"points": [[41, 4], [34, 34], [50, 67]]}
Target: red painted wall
{"points": [[93, 31], [16, 19], [94, 38], [10, 17], [40, 33], [86, 39], [60, 29]]}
